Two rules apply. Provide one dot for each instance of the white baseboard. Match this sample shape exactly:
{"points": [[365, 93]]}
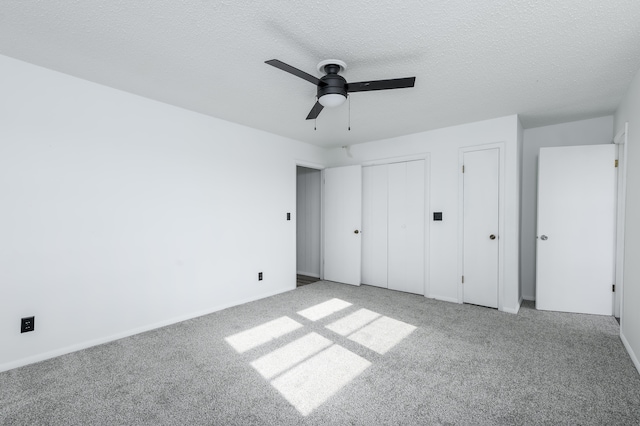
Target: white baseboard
{"points": [[513, 310], [99, 341], [632, 354], [444, 299]]}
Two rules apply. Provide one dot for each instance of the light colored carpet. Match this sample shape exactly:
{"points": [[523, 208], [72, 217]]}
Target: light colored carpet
{"points": [[329, 353]]}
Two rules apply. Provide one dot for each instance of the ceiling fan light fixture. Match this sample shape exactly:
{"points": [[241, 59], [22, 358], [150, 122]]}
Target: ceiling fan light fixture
{"points": [[332, 89], [332, 100]]}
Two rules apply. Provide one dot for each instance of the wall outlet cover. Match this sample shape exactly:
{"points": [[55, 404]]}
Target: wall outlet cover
{"points": [[27, 324]]}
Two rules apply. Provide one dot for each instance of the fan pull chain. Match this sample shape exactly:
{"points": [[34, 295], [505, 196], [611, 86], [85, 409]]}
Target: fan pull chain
{"points": [[349, 113], [315, 121]]}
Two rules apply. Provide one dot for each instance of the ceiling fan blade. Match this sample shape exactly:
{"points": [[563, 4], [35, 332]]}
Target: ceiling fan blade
{"points": [[394, 83], [295, 71], [315, 111]]}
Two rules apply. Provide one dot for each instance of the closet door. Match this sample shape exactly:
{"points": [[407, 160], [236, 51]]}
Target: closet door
{"points": [[481, 253], [374, 225], [406, 226]]}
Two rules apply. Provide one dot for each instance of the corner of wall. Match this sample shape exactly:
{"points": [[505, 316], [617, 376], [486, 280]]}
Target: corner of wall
{"points": [[629, 111], [630, 351]]}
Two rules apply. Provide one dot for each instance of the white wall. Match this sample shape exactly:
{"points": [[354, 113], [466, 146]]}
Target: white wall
{"points": [[308, 221], [443, 146], [585, 132], [120, 214], [629, 111]]}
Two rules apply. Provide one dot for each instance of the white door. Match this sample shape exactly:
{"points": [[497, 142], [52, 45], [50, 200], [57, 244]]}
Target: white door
{"points": [[343, 217], [406, 227], [576, 229], [374, 225], [480, 227]]}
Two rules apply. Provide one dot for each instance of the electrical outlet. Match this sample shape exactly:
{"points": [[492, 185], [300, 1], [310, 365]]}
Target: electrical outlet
{"points": [[27, 324], [259, 276]]}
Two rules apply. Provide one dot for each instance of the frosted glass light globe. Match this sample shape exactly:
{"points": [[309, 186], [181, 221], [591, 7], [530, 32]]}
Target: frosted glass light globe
{"points": [[332, 100]]}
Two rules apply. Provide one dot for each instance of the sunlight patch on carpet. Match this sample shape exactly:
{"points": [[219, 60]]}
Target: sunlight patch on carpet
{"points": [[311, 369], [310, 384], [382, 334], [353, 322], [291, 354], [262, 334], [324, 309]]}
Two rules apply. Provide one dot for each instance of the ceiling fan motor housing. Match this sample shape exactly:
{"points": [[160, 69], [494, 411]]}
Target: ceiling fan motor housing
{"points": [[334, 83]]}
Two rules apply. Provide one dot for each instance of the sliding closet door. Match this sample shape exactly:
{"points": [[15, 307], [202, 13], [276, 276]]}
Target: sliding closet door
{"points": [[406, 226], [374, 225]]}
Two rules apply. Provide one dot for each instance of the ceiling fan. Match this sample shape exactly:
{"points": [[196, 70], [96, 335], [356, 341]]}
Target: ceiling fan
{"points": [[333, 88]]}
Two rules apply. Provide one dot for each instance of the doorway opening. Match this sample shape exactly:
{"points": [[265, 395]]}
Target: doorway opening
{"points": [[308, 225]]}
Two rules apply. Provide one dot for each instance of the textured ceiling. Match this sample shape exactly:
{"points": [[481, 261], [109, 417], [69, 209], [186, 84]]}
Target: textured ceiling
{"points": [[549, 61]]}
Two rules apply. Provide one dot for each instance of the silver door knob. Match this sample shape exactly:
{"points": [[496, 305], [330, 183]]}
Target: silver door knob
{"points": [[544, 237]]}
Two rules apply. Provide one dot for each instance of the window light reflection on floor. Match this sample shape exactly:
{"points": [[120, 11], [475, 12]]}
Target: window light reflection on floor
{"points": [[309, 370], [372, 330], [382, 334], [311, 383], [288, 356], [324, 309], [353, 322], [262, 333]]}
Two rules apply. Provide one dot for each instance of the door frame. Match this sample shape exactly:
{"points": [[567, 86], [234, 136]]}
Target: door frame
{"points": [[621, 140], [315, 166], [501, 216], [427, 205]]}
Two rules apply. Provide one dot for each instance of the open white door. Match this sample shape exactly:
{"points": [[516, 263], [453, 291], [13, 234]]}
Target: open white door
{"points": [[621, 142], [342, 224], [576, 229]]}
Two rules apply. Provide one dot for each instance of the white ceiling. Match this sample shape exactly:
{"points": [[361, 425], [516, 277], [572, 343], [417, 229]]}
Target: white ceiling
{"points": [[549, 61]]}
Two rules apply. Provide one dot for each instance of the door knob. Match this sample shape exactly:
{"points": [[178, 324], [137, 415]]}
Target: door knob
{"points": [[544, 238], [356, 232], [492, 237]]}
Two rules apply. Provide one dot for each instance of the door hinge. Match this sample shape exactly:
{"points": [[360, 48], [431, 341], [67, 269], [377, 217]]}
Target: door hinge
{"points": [[463, 168], [463, 279], [613, 288], [616, 163]]}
